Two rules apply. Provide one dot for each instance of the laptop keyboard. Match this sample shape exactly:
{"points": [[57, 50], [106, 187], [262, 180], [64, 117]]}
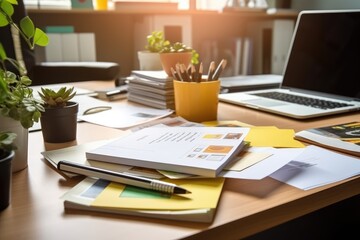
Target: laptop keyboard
{"points": [[307, 101]]}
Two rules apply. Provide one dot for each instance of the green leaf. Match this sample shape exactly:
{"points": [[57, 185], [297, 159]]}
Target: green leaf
{"points": [[2, 53], [8, 9], [13, 2], [40, 38], [27, 27]]}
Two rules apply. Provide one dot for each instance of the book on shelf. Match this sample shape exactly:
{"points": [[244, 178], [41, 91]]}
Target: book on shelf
{"points": [[103, 196], [341, 137], [202, 151]]}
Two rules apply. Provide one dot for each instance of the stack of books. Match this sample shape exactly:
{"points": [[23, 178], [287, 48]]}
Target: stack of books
{"points": [[151, 88], [203, 151]]}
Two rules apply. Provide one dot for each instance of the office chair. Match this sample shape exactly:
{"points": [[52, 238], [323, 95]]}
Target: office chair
{"points": [[52, 72]]}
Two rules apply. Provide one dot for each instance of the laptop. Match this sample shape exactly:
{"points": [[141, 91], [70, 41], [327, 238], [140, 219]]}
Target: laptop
{"points": [[249, 82], [322, 71]]}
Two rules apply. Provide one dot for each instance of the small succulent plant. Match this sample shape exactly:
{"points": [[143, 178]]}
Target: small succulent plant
{"points": [[156, 41], [181, 47], [56, 99]]}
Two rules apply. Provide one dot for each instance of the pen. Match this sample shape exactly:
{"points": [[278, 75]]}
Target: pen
{"points": [[219, 69], [123, 178]]}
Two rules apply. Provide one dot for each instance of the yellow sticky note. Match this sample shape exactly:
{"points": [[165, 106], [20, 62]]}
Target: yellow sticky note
{"points": [[272, 137]]}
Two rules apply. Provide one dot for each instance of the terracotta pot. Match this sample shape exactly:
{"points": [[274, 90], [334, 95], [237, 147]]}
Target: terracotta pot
{"points": [[149, 61], [5, 178], [60, 124], [20, 161], [169, 60]]}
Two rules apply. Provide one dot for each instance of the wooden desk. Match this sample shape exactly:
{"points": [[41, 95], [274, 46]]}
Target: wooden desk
{"points": [[246, 207]]}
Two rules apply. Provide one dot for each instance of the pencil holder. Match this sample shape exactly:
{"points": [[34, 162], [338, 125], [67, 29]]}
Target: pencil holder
{"points": [[197, 101]]}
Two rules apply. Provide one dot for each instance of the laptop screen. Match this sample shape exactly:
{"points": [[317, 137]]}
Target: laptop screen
{"points": [[325, 53]]}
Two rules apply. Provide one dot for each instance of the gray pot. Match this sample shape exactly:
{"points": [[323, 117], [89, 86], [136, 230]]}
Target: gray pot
{"points": [[59, 125], [5, 178]]}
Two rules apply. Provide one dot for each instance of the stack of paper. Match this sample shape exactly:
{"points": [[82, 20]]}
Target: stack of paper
{"points": [[151, 88], [103, 196]]}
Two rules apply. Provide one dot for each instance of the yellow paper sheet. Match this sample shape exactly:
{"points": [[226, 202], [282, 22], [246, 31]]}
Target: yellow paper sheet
{"points": [[205, 193], [272, 137], [246, 160]]}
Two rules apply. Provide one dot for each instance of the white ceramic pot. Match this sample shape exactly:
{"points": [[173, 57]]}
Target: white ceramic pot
{"points": [[20, 160], [149, 61]]}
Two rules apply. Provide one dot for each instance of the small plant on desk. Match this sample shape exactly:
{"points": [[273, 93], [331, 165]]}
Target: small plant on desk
{"points": [[59, 120], [156, 42], [19, 109], [57, 99], [179, 47]]}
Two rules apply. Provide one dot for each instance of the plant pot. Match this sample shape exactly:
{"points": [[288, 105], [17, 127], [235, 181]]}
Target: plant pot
{"points": [[6, 158], [169, 60], [149, 61], [59, 125], [20, 161]]}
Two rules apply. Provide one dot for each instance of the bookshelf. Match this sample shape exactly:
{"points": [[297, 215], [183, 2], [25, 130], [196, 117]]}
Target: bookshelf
{"points": [[119, 34]]}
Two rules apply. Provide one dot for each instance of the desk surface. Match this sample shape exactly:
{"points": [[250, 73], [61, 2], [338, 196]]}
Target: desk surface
{"points": [[246, 207]]}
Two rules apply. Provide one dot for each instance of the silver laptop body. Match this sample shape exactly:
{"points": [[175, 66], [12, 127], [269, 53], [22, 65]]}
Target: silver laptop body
{"points": [[323, 63]]}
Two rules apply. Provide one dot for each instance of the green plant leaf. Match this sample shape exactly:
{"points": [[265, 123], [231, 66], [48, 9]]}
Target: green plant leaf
{"points": [[40, 38], [6, 9], [2, 53], [27, 27]]}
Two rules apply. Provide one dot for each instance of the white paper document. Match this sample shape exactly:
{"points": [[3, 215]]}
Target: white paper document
{"points": [[277, 159], [203, 151], [316, 167], [125, 116]]}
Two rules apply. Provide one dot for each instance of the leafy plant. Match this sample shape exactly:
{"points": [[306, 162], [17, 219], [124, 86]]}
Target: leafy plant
{"points": [[56, 99], [157, 43], [181, 47], [16, 97]]}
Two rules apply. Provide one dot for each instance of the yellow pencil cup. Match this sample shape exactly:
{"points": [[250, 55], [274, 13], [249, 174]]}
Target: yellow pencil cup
{"points": [[197, 102]]}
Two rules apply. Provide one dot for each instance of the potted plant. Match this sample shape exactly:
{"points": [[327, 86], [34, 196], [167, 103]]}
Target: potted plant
{"points": [[7, 153], [59, 120], [19, 109], [149, 58], [175, 53]]}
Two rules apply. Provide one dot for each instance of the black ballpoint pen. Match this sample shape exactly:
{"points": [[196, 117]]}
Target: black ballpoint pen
{"points": [[124, 178]]}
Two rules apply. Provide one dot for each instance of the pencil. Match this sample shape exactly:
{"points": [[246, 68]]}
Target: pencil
{"points": [[200, 72], [211, 70], [174, 74], [219, 69]]}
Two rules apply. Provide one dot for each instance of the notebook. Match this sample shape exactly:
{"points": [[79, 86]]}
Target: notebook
{"points": [[323, 63]]}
